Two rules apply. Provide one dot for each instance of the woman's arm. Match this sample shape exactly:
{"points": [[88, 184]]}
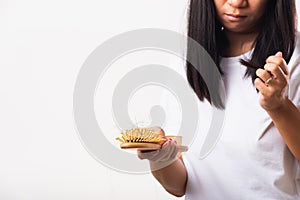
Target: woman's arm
{"points": [[287, 120], [166, 166], [272, 83], [173, 177]]}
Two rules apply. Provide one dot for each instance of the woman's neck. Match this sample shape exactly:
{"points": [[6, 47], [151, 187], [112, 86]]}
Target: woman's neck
{"points": [[238, 43]]}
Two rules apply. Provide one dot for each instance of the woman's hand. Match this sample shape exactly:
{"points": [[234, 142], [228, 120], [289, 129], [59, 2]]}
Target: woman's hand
{"points": [[162, 157], [272, 82]]}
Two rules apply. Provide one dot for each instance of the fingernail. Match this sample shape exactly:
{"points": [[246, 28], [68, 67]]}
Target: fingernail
{"points": [[278, 54]]}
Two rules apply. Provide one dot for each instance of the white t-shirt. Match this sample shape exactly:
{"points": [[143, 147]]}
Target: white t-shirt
{"points": [[250, 161]]}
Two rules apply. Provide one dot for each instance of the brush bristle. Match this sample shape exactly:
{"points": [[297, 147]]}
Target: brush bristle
{"points": [[140, 135]]}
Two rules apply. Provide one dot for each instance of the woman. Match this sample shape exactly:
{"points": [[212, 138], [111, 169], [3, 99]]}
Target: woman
{"points": [[258, 153]]}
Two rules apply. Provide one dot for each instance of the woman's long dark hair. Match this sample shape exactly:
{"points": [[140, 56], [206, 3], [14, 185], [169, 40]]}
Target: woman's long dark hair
{"points": [[277, 34]]}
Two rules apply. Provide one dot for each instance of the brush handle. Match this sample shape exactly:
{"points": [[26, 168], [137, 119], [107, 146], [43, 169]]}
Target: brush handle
{"points": [[148, 146]]}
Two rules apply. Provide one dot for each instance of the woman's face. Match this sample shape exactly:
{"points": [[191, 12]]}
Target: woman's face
{"points": [[242, 16]]}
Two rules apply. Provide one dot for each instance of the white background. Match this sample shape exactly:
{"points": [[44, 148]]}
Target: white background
{"points": [[42, 47]]}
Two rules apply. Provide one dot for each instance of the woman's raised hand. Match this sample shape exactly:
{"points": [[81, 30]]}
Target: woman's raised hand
{"points": [[272, 82]]}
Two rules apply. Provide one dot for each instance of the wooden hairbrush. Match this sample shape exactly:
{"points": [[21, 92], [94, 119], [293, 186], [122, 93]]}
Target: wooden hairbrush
{"points": [[146, 139]]}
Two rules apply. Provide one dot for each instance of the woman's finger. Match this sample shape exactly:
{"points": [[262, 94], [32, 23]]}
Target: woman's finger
{"points": [[278, 60], [275, 70], [264, 75]]}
